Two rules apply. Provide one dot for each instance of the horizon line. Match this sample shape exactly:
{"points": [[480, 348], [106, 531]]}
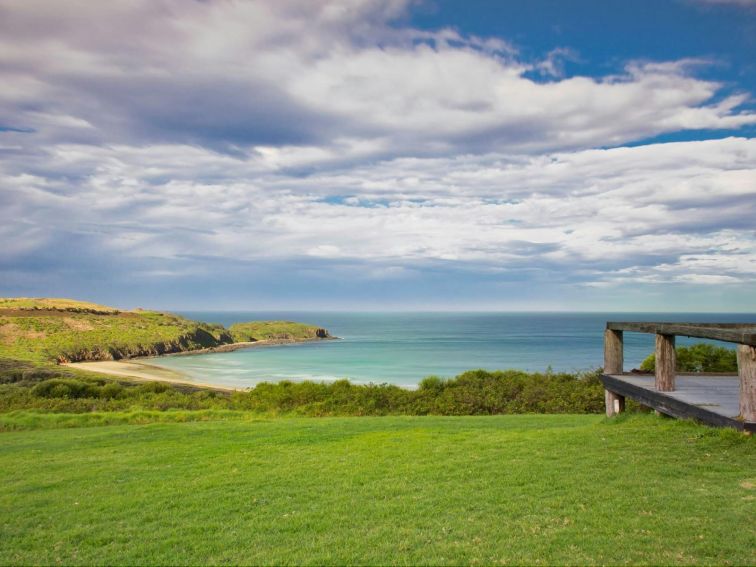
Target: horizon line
{"points": [[480, 311]]}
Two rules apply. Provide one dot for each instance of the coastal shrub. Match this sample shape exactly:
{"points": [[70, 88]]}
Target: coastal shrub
{"points": [[481, 392], [111, 391], [66, 388], [40, 374], [154, 387], [13, 370], [476, 392], [431, 384], [113, 396], [700, 357]]}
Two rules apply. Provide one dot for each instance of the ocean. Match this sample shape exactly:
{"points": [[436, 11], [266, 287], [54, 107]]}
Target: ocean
{"points": [[403, 348]]}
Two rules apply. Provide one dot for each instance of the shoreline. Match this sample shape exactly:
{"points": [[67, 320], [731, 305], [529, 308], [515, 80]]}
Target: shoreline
{"points": [[139, 371], [144, 372], [237, 346], [135, 369]]}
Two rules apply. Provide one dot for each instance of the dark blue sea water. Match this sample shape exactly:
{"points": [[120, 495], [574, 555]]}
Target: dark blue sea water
{"points": [[402, 348]]}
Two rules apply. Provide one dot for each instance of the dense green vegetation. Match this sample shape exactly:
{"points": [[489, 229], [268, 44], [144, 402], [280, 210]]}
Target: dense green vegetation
{"points": [[63, 330], [391, 490], [275, 330], [701, 357], [478, 392]]}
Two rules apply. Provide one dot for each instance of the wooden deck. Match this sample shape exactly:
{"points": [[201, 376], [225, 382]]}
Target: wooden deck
{"points": [[711, 399], [725, 401]]}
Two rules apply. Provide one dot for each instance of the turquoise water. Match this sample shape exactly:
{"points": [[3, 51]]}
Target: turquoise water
{"points": [[403, 348]]}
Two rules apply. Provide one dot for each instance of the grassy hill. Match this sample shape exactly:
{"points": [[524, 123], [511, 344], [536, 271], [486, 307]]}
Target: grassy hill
{"points": [[376, 491], [276, 330], [63, 330], [54, 304]]}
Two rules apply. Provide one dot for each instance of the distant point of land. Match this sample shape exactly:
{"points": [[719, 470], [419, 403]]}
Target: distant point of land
{"points": [[52, 330]]}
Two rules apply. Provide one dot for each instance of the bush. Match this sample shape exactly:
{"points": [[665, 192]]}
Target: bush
{"points": [[153, 387], [431, 384], [701, 357], [12, 370], [111, 391], [477, 392], [66, 388]]}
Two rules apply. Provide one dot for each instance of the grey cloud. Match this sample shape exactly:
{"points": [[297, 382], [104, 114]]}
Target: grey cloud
{"points": [[212, 113], [291, 146], [234, 76]]}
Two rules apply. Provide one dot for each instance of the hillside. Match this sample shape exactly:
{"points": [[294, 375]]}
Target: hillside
{"points": [[276, 330], [54, 304], [63, 330], [573, 490]]}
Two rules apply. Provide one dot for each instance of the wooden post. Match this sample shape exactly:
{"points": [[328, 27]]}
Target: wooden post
{"points": [[665, 363], [613, 355], [614, 403], [747, 373], [613, 364]]}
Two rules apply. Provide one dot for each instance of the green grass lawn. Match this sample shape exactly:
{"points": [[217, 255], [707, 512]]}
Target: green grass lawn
{"points": [[399, 490]]}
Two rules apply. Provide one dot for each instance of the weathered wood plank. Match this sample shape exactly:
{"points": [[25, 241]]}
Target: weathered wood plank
{"points": [[741, 333], [684, 324], [665, 363], [719, 394], [664, 403], [613, 352], [747, 374]]}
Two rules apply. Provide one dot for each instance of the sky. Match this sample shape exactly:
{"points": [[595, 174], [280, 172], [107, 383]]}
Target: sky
{"points": [[380, 154]]}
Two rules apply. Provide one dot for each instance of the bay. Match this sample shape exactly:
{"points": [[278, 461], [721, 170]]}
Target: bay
{"points": [[403, 348]]}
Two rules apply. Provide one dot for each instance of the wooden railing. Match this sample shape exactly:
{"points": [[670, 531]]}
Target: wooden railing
{"points": [[743, 334]]}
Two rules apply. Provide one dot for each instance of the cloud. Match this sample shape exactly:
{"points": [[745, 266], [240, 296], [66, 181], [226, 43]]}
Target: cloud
{"points": [[659, 213], [343, 77], [553, 64], [329, 142], [744, 3]]}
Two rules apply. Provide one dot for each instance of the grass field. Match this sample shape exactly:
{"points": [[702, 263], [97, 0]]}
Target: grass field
{"points": [[398, 490]]}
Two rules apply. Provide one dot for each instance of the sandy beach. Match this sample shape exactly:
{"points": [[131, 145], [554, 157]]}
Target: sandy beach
{"points": [[136, 370], [141, 371]]}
